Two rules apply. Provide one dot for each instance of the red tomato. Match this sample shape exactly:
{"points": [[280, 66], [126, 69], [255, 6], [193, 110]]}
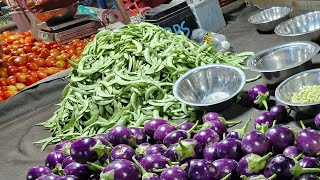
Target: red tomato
{"points": [[20, 61], [32, 66], [40, 62], [20, 86], [3, 72], [51, 62], [31, 79], [22, 69], [12, 88], [27, 49], [6, 34], [42, 74], [62, 57], [3, 82], [1, 99], [29, 39], [7, 63], [12, 80], [61, 64], [44, 53], [32, 57], [8, 94], [21, 77], [1, 94], [52, 70], [74, 58], [11, 39], [54, 52], [35, 49], [6, 51], [12, 70]]}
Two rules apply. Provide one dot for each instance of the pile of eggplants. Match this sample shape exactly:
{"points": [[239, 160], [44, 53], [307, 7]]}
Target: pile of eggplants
{"points": [[206, 151]]}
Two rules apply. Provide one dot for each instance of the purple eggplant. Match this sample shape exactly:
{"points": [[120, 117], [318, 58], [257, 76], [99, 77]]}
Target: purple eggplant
{"points": [[81, 171], [217, 126], [37, 172], [49, 177], [83, 150], [308, 141], [122, 151], [206, 136], [151, 126], [259, 94], [309, 162], [255, 142], [308, 177], [141, 149], [229, 148], [264, 121], [121, 135], [190, 163], [210, 152], [155, 149], [139, 135], [121, 169], [317, 120], [185, 126], [66, 161], [174, 173], [145, 175], [94, 177], [202, 170], [225, 167], [63, 146], [55, 158], [291, 152], [171, 153], [162, 131], [154, 161], [174, 137], [280, 137], [279, 113], [287, 168], [252, 164], [68, 177], [188, 149], [213, 116], [103, 138], [239, 133]]}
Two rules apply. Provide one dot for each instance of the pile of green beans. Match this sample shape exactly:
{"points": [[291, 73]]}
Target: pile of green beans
{"points": [[125, 77], [308, 94]]}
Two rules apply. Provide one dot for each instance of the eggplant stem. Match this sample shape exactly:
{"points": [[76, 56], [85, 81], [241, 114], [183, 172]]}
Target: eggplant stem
{"points": [[95, 165], [244, 177], [302, 125], [224, 121], [143, 171], [265, 157], [310, 170], [298, 157], [193, 127], [226, 177], [272, 177]]}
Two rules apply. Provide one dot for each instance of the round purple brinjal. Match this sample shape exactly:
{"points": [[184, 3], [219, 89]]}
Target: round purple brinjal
{"points": [[308, 177], [162, 131], [155, 149], [229, 148], [66, 161], [174, 173], [122, 151], [68, 177], [239, 133], [206, 136], [280, 137], [202, 170], [54, 158], [217, 126], [85, 149], [213, 116], [255, 142], [309, 162], [252, 164], [154, 161], [121, 169], [171, 153], [225, 167], [317, 120], [145, 175], [210, 152], [151, 126], [259, 95], [263, 121], [185, 126], [139, 135], [63, 146], [287, 168], [188, 149], [174, 137], [291, 151], [308, 141], [190, 163], [37, 172], [81, 171], [121, 135], [279, 113], [141, 149], [49, 177], [103, 138]]}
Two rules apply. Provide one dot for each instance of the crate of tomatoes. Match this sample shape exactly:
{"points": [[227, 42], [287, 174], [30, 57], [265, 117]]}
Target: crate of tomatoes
{"points": [[26, 61]]}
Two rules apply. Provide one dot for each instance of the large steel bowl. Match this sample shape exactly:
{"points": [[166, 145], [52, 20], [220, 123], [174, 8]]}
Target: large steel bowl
{"points": [[278, 63], [210, 87], [268, 19], [305, 27], [293, 84]]}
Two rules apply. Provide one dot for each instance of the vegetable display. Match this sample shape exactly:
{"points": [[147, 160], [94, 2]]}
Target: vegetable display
{"points": [[308, 94], [125, 77]]}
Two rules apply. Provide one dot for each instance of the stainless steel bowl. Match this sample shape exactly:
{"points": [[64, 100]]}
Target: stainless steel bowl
{"points": [[293, 84], [210, 87], [268, 19], [305, 27], [278, 63]]}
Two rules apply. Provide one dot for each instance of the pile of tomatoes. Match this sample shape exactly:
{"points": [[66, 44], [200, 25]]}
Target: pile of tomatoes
{"points": [[26, 61]]}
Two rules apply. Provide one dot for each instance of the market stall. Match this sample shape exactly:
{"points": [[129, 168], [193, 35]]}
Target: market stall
{"points": [[20, 114]]}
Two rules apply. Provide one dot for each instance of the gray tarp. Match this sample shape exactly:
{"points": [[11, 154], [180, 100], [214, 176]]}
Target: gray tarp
{"points": [[19, 114]]}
